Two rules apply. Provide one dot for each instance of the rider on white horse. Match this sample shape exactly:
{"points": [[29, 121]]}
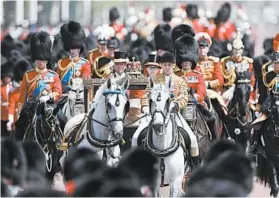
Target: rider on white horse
{"points": [[179, 90], [120, 64]]}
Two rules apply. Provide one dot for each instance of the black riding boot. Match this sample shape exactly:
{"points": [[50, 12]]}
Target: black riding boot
{"points": [[213, 130], [196, 162]]}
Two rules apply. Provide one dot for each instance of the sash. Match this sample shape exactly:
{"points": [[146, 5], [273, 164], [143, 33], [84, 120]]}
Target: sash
{"points": [[69, 73], [42, 85]]}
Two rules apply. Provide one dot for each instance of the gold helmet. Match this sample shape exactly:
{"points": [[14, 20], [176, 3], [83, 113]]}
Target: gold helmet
{"points": [[237, 43]]}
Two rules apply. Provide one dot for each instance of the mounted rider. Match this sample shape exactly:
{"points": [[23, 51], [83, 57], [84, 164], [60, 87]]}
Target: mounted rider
{"points": [[40, 83], [210, 68], [186, 50], [231, 65], [120, 63], [73, 67], [103, 33], [179, 90], [270, 79]]}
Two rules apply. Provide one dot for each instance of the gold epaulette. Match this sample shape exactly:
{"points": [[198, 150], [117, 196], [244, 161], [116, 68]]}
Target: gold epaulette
{"points": [[214, 59], [176, 69], [250, 60], [159, 79], [225, 58], [265, 72]]}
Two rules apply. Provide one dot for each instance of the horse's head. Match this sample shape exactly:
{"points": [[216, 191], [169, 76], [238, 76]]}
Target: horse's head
{"points": [[117, 105], [159, 102], [242, 93]]}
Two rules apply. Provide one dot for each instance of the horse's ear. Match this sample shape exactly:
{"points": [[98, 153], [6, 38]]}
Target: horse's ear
{"points": [[151, 83], [126, 84], [109, 84]]}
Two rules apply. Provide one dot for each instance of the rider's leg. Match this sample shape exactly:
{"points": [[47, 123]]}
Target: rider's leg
{"points": [[194, 148], [228, 95]]}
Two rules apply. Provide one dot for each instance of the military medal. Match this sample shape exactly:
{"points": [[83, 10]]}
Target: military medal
{"points": [[78, 74]]}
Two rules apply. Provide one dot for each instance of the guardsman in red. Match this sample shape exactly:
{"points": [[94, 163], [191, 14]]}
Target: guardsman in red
{"points": [[103, 33], [6, 87], [231, 65], [225, 29], [21, 67], [118, 28], [186, 48], [193, 18], [73, 38], [40, 83]]}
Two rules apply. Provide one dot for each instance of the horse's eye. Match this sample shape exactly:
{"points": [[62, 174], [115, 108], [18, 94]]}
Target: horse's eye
{"points": [[109, 106]]}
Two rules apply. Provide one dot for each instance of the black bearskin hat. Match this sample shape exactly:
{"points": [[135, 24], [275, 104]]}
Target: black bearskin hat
{"points": [[186, 49], [41, 46], [73, 36], [275, 57], [181, 30], [7, 70], [223, 13], [113, 14], [20, 68], [192, 11], [162, 37], [167, 14], [7, 45]]}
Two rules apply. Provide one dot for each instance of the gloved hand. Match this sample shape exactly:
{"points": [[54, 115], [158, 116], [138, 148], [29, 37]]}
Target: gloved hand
{"points": [[145, 110], [174, 107], [45, 98], [10, 123]]}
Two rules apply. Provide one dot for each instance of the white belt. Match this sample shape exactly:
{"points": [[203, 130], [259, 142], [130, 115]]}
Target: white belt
{"points": [[5, 104]]}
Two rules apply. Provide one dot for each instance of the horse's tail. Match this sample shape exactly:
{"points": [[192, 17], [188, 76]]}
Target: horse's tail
{"points": [[262, 169]]}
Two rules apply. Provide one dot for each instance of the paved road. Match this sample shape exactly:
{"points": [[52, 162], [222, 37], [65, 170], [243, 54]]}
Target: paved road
{"points": [[259, 190]]}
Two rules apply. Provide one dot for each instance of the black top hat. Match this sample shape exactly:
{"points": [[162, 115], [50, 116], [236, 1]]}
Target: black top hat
{"points": [[152, 61], [113, 43], [120, 57], [167, 57]]}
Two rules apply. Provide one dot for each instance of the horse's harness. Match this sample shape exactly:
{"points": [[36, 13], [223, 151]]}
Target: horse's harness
{"points": [[106, 144]]}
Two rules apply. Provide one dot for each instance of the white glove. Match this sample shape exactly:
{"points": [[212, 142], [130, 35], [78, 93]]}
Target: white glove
{"points": [[11, 121], [44, 98], [145, 110]]}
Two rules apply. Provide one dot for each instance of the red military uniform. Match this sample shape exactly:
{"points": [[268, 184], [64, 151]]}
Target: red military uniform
{"points": [[13, 103], [225, 31], [5, 90], [67, 69], [195, 80], [211, 71], [36, 83]]}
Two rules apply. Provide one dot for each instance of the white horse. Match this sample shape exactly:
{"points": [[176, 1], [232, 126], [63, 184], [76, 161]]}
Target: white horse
{"points": [[102, 129], [163, 139], [74, 104]]}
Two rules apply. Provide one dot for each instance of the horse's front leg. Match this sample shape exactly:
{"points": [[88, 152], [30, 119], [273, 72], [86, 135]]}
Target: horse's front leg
{"points": [[114, 156]]}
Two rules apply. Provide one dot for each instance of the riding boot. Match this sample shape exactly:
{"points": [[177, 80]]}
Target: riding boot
{"points": [[196, 162], [213, 130]]}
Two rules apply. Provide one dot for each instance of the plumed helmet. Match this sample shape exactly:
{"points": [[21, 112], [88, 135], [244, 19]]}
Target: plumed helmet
{"points": [[275, 45], [167, 14], [203, 39], [186, 49], [237, 43], [181, 30], [41, 46], [162, 37], [103, 33], [73, 36]]}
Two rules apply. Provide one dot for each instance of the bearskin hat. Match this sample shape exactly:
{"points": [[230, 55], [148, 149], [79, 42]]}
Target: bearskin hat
{"points": [[20, 68], [167, 14], [275, 45], [181, 30], [14, 165], [113, 14], [7, 45], [73, 36], [147, 172], [41, 46], [186, 49], [267, 46], [220, 147], [162, 37], [223, 13], [216, 188], [7, 70], [192, 11]]}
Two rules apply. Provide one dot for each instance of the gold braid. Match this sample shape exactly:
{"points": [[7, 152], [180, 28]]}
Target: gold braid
{"points": [[230, 76], [264, 73]]}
